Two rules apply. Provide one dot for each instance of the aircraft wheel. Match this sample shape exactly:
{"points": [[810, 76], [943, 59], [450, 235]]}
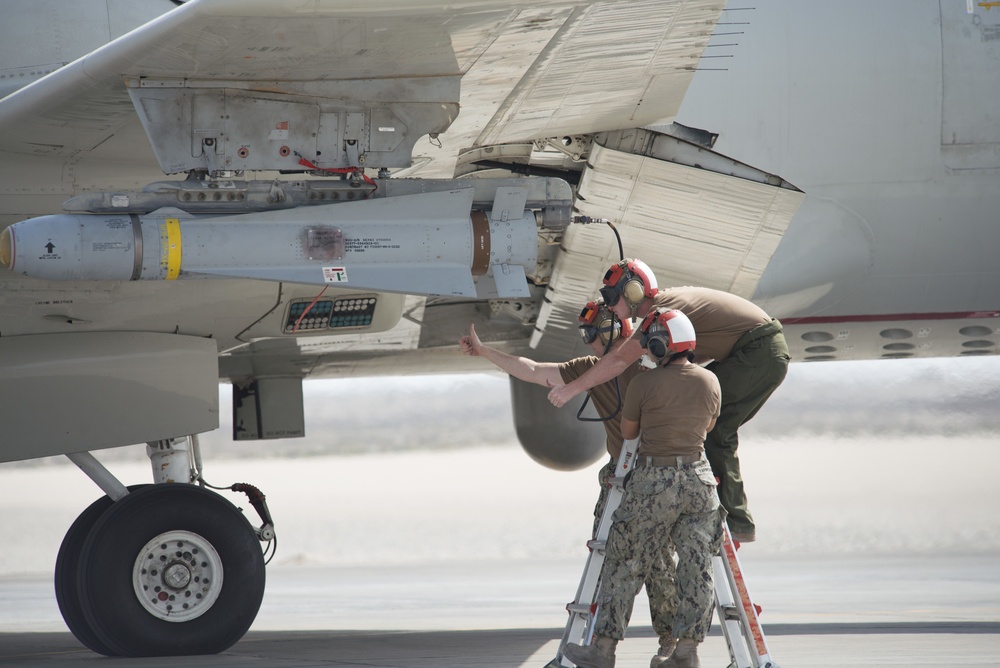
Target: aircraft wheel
{"points": [[67, 563], [67, 572], [171, 569]]}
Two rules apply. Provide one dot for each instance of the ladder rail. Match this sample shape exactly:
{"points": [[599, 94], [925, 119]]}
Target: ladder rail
{"points": [[727, 613], [736, 612]]}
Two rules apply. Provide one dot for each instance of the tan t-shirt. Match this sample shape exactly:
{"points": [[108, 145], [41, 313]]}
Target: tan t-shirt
{"points": [[604, 396], [719, 318], [673, 405]]}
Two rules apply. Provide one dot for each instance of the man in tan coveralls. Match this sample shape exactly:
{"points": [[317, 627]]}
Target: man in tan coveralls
{"points": [[750, 359], [598, 329], [669, 497]]}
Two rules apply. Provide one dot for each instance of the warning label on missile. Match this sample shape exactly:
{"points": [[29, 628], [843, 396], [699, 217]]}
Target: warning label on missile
{"points": [[360, 245], [111, 246], [335, 274]]}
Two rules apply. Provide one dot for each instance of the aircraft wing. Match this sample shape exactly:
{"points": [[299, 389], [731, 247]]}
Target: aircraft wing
{"points": [[518, 71], [694, 216], [457, 102]]}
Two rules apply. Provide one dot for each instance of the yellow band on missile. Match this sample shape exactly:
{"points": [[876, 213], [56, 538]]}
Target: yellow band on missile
{"points": [[6, 249], [170, 255]]}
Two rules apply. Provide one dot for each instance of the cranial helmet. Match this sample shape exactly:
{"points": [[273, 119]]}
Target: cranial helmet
{"points": [[665, 332], [597, 320], [632, 280]]}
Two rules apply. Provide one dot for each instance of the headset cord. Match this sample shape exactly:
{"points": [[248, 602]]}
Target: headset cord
{"points": [[618, 389]]}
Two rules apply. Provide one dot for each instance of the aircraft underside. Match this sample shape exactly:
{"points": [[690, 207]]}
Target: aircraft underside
{"points": [[333, 215]]}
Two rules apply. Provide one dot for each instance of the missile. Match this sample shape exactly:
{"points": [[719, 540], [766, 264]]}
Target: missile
{"points": [[427, 244]]}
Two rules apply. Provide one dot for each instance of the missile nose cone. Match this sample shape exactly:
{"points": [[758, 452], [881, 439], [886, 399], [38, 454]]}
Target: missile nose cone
{"points": [[6, 248]]}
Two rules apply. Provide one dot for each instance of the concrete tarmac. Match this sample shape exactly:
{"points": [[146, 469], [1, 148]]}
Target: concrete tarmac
{"points": [[804, 646], [854, 567], [872, 611]]}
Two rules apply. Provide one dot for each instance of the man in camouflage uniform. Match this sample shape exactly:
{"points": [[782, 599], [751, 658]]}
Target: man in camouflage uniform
{"points": [[602, 332], [669, 496]]}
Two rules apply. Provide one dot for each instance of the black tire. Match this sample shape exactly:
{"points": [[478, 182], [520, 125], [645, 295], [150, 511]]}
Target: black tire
{"points": [[67, 568], [67, 571], [163, 516]]}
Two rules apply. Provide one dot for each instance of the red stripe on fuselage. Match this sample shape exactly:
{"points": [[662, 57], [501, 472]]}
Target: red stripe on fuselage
{"points": [[889, 317]]}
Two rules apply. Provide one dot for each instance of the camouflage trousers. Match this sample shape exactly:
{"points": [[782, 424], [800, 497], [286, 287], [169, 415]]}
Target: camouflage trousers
{"points": [[663, 505], [660, 586]]}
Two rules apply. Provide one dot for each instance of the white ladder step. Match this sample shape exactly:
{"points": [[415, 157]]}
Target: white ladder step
{"points": [[580, 608], [729, 612]]}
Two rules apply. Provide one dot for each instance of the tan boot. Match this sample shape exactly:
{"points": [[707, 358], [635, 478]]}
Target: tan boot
{"points": [[600, 653], [685, 655], [667, 645]]}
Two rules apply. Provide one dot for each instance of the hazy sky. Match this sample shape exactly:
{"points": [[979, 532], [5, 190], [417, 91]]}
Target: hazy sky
{"points": [[908, 476], [941, 394]]}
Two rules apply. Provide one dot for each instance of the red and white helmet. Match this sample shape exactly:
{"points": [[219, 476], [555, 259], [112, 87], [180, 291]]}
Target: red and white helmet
{"points": [[631, 279], [597, 320], [665, 332]]}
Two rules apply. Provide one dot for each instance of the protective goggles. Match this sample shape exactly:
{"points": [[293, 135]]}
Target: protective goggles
{"points": [[610, 294], [612, 278], [607, 331]]}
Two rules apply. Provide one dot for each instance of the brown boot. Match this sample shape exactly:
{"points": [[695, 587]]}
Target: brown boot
{"points": [[685, 655], [600, 653], [667, 645]]}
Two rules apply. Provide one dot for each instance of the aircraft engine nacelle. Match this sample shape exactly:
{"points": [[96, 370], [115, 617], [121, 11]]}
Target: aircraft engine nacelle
{"points": [[554, 437], [426, 244]]}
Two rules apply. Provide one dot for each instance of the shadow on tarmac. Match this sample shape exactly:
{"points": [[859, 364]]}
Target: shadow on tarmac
{"points": [[803, 645]]}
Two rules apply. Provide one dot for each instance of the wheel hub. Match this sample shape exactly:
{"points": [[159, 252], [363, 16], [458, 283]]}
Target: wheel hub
{"points": [[177, 576]]}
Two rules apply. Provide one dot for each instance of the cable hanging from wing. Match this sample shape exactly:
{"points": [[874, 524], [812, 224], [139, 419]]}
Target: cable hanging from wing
{"points": [[618, 391], [298, 322], [587, 220], [358, 171]]}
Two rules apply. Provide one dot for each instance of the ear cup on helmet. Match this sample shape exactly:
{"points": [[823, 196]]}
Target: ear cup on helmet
{"points": [[667, 331], [598, 320], [634, 292], [657, 347], [610, 330]]}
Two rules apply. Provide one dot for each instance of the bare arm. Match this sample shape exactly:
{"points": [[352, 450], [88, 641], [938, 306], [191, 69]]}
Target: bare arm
{"points": [[610, 366], [540, 373], [630, 429]]}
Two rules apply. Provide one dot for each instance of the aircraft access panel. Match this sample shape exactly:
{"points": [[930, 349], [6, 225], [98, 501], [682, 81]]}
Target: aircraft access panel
{"points": [[342, 313]]}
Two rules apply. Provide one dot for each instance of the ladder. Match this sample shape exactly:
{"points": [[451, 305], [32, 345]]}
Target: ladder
{"points": [[736, 612], [583, 609]]}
